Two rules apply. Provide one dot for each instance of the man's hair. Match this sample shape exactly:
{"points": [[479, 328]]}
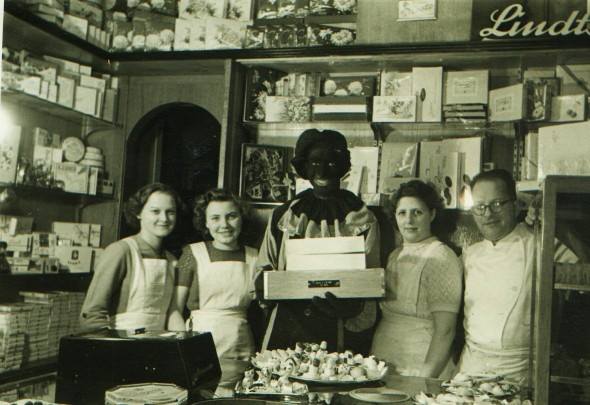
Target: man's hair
{"points": [[501, 175]]}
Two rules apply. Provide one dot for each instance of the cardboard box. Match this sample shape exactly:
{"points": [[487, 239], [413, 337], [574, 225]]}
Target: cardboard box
{"points": [[86, 100], [66, 90], [315, 246], [73, 176], [78, 233], [306, 284], [75, 259], [427, 87], [347, 261], [507, 103]]}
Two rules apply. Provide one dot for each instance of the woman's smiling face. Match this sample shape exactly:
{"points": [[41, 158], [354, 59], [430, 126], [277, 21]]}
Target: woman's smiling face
{"points": [[413, 219], [224, 222]]}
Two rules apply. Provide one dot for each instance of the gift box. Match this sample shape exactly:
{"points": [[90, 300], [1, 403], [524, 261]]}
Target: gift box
{"points": [[238, 10], [75, 259], [159, 33], [306, 284], [72, 177], [196, 9], [190, 34], [225, 34], [323, 35], [77, 233]]}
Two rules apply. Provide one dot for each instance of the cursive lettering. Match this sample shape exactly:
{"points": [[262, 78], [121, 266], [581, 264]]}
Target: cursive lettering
{"points": [[515, 12]]}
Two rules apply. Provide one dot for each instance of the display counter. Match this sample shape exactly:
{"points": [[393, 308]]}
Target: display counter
{"points": [[232, 372]]}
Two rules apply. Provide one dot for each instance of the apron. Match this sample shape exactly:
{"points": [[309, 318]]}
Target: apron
{"points": [[402, 338], [226, 289], [150, 293], [498, 312]]}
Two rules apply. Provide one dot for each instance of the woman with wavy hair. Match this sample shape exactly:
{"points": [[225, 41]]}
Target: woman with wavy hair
{"points": [[216, 277]]}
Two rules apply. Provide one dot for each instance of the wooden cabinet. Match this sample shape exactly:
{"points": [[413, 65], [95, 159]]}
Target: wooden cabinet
{"points": [[561, 305]]}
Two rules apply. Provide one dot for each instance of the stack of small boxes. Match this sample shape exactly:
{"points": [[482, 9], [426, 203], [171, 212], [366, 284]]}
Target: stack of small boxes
{"points": [[61, 81], [13, 326]]}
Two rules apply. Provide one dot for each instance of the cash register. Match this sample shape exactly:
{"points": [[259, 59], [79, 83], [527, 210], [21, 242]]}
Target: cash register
{"points": [[91, 363]]}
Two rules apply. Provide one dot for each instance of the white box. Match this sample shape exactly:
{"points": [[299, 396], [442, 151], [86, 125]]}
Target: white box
{"points": [[75, 259], [95, 234], [66, 91], [73, 176], [367, 156], [86, 98], [568, 108], [315, 246], [563, 149], [427, 87], [78, 233], [337, 261], [466, 87], [507, 103]]}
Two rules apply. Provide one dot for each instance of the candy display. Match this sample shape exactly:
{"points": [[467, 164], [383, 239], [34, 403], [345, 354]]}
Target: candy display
{"points": [[311, 362]]}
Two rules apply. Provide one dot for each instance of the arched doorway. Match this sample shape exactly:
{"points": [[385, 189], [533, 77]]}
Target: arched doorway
{"points": [[176, 144]]}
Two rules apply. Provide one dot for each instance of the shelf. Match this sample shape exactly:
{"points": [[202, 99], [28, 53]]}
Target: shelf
{"points": [[528, 186], [53, 276], [33, 370], [58, 194], [570, 380], [54, 109], [386, 130], [34, 33], [24, 30], [574, 287]]}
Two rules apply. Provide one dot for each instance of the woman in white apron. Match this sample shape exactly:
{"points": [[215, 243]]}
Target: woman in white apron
{"points": [[423, 290], [216, 277], [134, 278]]}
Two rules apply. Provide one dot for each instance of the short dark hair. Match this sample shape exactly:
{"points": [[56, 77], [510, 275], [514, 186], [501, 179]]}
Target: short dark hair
{"points": [[216, 194], [313, 137], [501, 175], [427, 194], [135, 203]]}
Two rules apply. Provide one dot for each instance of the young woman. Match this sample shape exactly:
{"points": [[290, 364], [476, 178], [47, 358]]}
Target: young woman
{"points": [[216, 277], [423, 289], [134, 278]]}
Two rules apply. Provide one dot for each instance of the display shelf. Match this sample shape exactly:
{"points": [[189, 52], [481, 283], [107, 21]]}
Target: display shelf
{"points": [[36, 35], [54, 109], [570, 380], [27, 371], [58, 194]]}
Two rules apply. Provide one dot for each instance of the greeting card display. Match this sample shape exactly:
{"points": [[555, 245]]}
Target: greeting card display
{"points": [[264, 174], [394, 109], [467, 87], [347, 85], [260, 83], [396, 83]]}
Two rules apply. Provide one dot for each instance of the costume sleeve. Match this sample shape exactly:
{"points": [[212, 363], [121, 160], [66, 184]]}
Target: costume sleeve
{"points": [[268, 256], [442, 282], [185, 268], [105, 286]]}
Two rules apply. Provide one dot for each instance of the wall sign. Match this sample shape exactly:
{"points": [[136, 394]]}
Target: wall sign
{"points": [[520, 20]]}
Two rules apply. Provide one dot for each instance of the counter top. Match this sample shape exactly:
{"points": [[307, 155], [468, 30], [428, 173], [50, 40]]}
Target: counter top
{"points": [[232, 371]]}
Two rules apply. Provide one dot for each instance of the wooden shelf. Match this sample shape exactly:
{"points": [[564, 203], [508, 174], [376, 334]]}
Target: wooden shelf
{"points": [[60, 195], [570, 380], [54, 109], [27, 371]]}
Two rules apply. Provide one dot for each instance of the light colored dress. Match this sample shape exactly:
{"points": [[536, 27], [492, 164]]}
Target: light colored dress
{"points": [[150, 293], [225, 290], [421, 278]]}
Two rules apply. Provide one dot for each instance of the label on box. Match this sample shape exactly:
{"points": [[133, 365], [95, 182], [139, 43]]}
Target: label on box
{"points": [[75, 259]]}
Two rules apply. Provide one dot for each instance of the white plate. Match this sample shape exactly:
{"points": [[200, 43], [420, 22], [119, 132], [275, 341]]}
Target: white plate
{"points": [[338, 382], [379, 395]]}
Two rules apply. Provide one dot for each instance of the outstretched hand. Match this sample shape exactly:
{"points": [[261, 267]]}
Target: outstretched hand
{"points": [[336, 307]]}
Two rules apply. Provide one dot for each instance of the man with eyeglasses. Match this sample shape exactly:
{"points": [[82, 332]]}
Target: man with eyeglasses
{"points": [[498, 285]]}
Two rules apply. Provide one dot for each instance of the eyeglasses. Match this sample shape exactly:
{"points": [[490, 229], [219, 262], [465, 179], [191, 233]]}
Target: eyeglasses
{"points": [[494, 207]]}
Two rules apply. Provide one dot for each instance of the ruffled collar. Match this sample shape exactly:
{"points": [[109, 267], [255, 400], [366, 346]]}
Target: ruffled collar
{"points": [[329, 209]]}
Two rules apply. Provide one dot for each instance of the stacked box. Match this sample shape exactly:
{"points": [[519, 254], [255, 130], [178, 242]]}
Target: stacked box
{"points": [[13, 325]]}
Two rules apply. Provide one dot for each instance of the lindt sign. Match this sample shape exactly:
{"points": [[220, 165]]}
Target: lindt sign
{"points": [[508, 24]]}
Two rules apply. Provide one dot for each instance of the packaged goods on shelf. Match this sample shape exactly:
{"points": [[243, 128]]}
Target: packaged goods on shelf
{"points": [[21, 82], [398, 160], [368, 157], [12, 225], [239, 10], [44, 244], [260, 83], [66, 91], [159, 33], [427, 85], [83, 9], [188, 9], [37, 66], [348, 85], [568, 108], [466, 87], [19, 243], [507, 103], [190, 35], [287, 109], [394, 83], [75, 25], [561, 150], [77, 233], [537, 101], [105, 187], [394, 109], [66, 66], [225, 34], [86, 100], [334, 108], [122, 33], [325, 35]]}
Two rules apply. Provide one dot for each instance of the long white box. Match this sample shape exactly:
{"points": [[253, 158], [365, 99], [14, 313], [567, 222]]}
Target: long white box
{"points": [[337, 261], [296, 285], [314, 246]]}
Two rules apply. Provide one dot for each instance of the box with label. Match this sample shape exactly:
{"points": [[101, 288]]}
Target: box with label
{"points": [[78, 233], [75, 259], [66, 91], [466, 87], [507, 103], [72, 176], [105, 187], [306, 284], [44, 244], [427, 85]]}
